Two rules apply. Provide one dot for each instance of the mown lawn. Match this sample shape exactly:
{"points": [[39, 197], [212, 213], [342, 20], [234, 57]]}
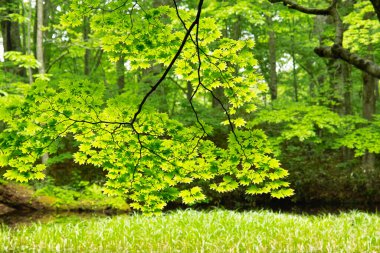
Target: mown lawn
{"points": [[193, 231]]}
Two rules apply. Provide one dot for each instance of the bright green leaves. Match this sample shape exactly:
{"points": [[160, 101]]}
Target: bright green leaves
{"points": [[145, 37], [228, 184], [227, 64], [192, 196], [161, 162], [299, 121], [253, 165], [23, 171], [157, 159], [364, 139], [363, 28], [319, 125], [37, 124], [149, 38], [22, 60]]}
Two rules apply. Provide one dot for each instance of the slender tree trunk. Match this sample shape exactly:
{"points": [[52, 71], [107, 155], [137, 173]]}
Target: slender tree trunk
{"points": [[369, 95], [87, 53], [39, 38], [120, 71], [24, 28], [369, 107], [347, 82], [47, 17], [347, 104], [295, 82], [189, 90], [370, 84], [28, 8], [219, 93], [40, 50], [272, 60]]}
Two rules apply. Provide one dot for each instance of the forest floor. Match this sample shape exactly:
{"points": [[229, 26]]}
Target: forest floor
{"points": [[197, 231]]}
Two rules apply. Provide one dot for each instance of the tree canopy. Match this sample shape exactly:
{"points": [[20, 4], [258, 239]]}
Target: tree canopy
{"points": [[189, 100]]}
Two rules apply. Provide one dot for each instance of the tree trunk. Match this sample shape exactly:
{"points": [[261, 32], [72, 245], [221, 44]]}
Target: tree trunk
{"points": [[120, 69], [295, 82], [347, 88], [293, 53], [376, 6], [219, 93], [39, 38], [10, 32], [340, 86], [369, 106], [48, 9], [189, 90], [369, 95], [40, 50], [28, 10], [158, 3], [11, 36], [272, 60], [87, 53]]}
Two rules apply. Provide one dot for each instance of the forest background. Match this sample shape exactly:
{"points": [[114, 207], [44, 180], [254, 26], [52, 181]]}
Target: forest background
{"points": [[226, 103]]}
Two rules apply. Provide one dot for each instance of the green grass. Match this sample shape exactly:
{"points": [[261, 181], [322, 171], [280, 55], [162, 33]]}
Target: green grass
{"points": [[192, 231]]}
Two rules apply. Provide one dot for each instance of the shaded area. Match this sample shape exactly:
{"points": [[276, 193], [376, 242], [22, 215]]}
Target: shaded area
{"points": [[19, 197], [20, 217]]}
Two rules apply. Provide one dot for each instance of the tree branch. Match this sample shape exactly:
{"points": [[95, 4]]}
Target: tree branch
{"points": [[154, 87], [337, 51], [57, 60], [314, 11], [376, 6]]}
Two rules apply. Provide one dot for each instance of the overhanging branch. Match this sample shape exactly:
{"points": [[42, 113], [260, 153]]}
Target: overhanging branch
{"points": [[314, 11], [339, 52], [154, 87]]}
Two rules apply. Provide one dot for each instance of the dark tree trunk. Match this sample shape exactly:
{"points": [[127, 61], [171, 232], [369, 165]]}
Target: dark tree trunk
{"points": [[11, 36], [340, 87], [347, 93], [47, 34], [87, 53], [219, 93], [189, 90], [272, 61], [293, 53], [376, 6], [158, 3], [295, 81], [120, 69], [369, 107], [10, 32], [369, 95]]}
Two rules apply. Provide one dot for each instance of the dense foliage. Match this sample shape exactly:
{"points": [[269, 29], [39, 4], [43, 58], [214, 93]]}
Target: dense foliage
{"points": [[161, 101]]}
